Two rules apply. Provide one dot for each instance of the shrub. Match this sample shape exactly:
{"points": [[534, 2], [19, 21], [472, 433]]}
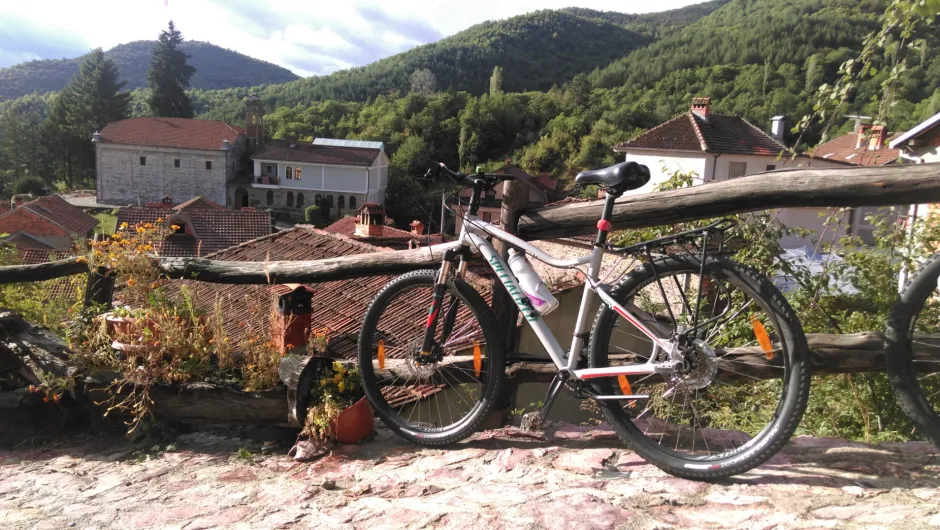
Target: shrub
{"points": [[312, 214], [33, 185]]}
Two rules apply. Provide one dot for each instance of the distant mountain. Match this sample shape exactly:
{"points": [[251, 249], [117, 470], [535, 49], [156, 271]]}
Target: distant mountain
{"points": [[216, 68]]}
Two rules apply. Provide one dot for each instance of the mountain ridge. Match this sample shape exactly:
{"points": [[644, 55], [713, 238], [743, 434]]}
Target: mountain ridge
{"points": [[216, 68]]}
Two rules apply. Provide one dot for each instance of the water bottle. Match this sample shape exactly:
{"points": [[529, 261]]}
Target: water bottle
{"points": [[531, 283]]}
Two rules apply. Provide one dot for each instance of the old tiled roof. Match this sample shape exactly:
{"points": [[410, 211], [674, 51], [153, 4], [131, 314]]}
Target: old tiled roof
{"points": [[171, 132], [337, 305], [281, 150], [213, 229], [714, 134], [32, 256], [56, 210], [842, 149], [198, 203], [392, 237]]}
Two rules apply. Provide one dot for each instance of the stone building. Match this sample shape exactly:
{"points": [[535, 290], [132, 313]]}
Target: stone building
{"points": [[142, 160], [337, 175]]}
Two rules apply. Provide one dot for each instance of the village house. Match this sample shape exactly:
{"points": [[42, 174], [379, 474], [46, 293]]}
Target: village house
{"points": [[339, 176], [718, 147], [198, 226], [920, 145], [141, 160], [371, 226], [44, 228], [541, 192]]}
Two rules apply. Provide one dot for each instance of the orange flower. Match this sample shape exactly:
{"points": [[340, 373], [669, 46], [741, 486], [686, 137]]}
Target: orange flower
{"points": [[33, 388], [57, 398], [81, 259], [131, 282], [45, 399]]}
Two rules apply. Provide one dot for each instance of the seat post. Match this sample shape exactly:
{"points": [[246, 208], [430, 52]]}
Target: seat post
{"points": [[604, 225]]}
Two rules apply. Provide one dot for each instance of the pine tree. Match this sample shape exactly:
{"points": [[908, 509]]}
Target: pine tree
{"points": [[169, 77], [87, 104]]}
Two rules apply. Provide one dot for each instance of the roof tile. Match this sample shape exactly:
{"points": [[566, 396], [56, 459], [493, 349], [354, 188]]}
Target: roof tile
{"points": [[714, 134], [171, 132], [842, 149], [281, 150]]}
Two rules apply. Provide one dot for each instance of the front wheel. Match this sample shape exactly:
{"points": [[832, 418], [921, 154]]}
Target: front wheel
{"points": [[743, 384], [443, 397]]}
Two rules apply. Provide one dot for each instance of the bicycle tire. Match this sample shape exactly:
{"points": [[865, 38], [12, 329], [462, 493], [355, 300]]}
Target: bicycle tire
{"points": [[495, 377], [899, 356], [795, 391]]}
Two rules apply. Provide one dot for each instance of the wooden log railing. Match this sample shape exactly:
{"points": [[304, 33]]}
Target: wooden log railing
{"points": [[822, 188]]}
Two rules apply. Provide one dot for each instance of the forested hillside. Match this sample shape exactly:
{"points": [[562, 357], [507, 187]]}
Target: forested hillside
{"points": [[216, 68]]}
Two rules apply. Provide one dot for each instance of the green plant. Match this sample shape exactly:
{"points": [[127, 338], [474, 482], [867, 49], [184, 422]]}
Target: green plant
{"points": [[312, 214], [338, 387], [31, 185]]}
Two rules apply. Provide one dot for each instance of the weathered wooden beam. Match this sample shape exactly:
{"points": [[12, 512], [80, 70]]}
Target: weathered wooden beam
{"points": [[42, 271], [275, 272], [874, 186]]}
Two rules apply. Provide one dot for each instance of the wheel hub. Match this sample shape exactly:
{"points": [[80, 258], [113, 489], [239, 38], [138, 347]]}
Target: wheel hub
{"points": [[699, 367]]}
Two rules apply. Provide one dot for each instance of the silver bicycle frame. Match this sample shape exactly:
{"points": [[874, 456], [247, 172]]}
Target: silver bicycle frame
{"points": [[474, 235]]}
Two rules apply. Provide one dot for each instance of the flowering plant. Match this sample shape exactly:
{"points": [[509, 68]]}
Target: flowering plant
{"points": [[338, 388]]}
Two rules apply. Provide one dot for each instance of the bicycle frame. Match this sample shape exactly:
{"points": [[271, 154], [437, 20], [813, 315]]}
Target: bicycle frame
{"points": [[474, 234]]}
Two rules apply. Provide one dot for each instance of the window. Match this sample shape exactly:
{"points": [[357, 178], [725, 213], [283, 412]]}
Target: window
{"points": [[329, 201], [771, 167], [290, 199], [341, 202], [208, 165], [352, 202], [269, 169], [270, 198], [176, 162], [143, 161], [297, 173], [737, 169], [300, 200], [288, 173], [318, 199]]}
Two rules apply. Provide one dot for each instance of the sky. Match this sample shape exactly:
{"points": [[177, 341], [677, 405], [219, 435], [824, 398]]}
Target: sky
{"points": [[309, 37]]}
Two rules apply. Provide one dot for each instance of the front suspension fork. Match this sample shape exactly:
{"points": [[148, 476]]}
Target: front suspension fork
{"points": [[450, 315]]}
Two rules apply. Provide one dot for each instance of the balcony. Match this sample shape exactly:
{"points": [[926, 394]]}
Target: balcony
{"points": [[265, 181]]}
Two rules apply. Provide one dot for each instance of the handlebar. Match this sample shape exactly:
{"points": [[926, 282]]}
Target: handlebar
{"points": [[487, 180]]}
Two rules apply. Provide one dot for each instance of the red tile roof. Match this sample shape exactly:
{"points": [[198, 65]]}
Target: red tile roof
{"points": [[842, 149], [337, 305], [281, 150], [50, 221], [392, 237], [714, 134], [59, 211], [171, 132], [212, 229]]}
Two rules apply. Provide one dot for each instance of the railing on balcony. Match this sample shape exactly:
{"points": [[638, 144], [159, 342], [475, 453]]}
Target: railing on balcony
{"points": [[267, 180]]}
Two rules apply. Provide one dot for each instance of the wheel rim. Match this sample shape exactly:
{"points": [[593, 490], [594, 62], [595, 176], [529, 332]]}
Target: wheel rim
{"points": [[721, 404], [923, 340], [430, 397]]}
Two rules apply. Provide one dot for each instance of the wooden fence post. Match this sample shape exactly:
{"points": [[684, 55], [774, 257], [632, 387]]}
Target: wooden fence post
{"points": [[100, 287], [515, 200]]}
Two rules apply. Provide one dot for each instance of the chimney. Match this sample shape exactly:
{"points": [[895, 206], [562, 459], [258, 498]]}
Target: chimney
{"points": [[291, 322], [701, 106], [776, 128], [861, 135], [371, 221], [17, 200], [877, 140], [417, 227]]}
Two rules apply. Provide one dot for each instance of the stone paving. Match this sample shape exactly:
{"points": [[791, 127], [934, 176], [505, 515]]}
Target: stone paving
{"points": [[581, 479]]}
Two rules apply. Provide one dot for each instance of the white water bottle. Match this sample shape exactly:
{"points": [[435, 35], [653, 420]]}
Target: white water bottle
{"points": [[532, 285]]}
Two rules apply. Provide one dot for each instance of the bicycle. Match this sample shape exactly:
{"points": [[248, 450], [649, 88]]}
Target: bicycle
{"points": [[913, 374], [666, 345]]}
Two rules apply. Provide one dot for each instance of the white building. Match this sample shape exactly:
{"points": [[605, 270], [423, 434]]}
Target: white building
{"points": [[717, 148], [337, 175]]}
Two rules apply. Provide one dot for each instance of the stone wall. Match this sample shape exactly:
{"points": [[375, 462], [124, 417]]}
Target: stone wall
{"points": [[257, 198], [121, 179]]}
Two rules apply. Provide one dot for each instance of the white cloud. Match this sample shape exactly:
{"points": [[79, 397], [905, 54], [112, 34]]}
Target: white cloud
{"points": [[308, 37]]}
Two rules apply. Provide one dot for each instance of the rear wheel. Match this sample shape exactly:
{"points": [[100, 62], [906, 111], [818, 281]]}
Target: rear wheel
{"points": [[744, 382], [915, 324], [442, 398]]}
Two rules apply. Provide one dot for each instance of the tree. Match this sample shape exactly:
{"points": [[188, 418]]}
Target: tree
{"points": [[86, 105], [423, 82], [21, 145], [169, 77], [496, 81], [31, 185]]}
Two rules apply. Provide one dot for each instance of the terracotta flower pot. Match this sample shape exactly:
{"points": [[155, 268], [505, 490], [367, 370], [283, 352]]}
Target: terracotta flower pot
{"points": [[354, 423]]}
